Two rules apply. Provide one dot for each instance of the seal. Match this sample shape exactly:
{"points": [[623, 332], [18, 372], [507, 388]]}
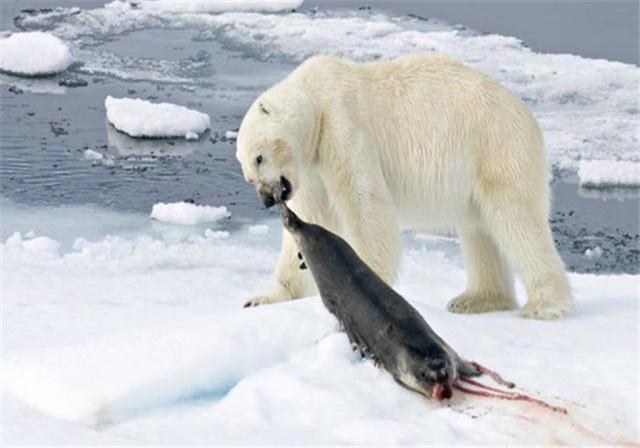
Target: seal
{"points": [[382, 325], [378, 321]]}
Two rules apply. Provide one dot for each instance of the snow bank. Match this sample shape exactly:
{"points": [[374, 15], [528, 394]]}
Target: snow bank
{"points": [[141, 118], [609, 173], [107, 379], [217, 6], [33, 247], [168, 355], [34, 54], [187, 214]]}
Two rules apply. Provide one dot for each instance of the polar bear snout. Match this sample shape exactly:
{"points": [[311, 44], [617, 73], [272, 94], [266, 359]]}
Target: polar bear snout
{"points": [[266, 196], [277, 192]]}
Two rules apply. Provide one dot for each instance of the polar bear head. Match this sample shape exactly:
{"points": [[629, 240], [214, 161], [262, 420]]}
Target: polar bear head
{"points": [[276, 137]]}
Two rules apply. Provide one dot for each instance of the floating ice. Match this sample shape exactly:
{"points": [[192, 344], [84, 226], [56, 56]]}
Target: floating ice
{"points": [[34, 54], [90, 154], [187, 214], [231, 135], [209, 6], [593, 253], [609, 173], [141, 118], [97, 158]]}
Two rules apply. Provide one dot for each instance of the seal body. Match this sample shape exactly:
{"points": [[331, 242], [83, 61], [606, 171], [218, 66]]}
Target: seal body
{"points": [[377, 320]]}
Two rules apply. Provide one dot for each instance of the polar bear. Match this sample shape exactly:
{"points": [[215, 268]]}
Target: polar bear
{"points": [[422, 142]]}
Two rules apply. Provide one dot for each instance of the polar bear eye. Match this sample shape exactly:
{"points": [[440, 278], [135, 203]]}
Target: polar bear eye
{"points": [[259, 160]]}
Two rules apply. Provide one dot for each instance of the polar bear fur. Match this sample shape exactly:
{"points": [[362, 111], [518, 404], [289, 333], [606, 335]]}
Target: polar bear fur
{"points": [[422, 142]]}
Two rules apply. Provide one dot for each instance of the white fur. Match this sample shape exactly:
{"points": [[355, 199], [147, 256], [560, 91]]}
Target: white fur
{"points": [[422, 142]]}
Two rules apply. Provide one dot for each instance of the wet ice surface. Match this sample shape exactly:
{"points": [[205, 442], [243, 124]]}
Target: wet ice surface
{"points": [[45, 136], [49, 124]]}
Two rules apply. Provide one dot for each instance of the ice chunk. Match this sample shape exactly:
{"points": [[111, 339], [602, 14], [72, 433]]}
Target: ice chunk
{"points": [[187, 214], [141, 118], [593, 253], [90, 154], [609, 173], [97, 158], [34, 54], [231, 135]]}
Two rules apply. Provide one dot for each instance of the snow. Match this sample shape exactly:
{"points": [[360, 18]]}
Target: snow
{"points": [[138, 336], [216, 234], [208, 6], [609, 173], [187, 214], [141, 118], [34, 54]]}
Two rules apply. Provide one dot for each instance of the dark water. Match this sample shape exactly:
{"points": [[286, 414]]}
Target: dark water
{"points": [[44, 136]]}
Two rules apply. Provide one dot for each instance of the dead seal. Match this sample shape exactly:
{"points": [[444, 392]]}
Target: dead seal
{"points": [[381, 324]]}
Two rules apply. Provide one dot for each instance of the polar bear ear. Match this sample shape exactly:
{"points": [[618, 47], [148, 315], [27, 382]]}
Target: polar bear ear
{"points": [[263, 108]]}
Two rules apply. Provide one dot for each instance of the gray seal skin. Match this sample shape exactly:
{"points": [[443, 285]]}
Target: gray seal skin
{"points": [[377, 320]]}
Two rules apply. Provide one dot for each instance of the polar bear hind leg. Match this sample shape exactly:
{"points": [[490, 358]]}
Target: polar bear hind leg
{"points": [[489, 279], [522, 233]]}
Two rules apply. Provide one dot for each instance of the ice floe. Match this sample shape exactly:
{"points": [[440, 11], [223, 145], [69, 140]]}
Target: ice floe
{"points": [[141, 118], [187, 214], [143, 338], [34, 54], [609, 173]]}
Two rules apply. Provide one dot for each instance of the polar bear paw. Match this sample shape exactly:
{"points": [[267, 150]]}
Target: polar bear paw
{"points": [[545, 310], [259, 300], [468, 303]]}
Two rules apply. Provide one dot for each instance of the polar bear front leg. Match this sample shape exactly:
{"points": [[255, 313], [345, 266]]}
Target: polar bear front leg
{"points": [[372, 229], [489, 279], [289, 282]]}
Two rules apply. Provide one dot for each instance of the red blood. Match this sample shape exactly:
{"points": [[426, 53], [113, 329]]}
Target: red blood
{"points": [[442, 391]]}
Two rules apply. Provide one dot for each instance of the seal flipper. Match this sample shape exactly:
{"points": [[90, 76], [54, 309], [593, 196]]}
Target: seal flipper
{"points": [[466, 368]]}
